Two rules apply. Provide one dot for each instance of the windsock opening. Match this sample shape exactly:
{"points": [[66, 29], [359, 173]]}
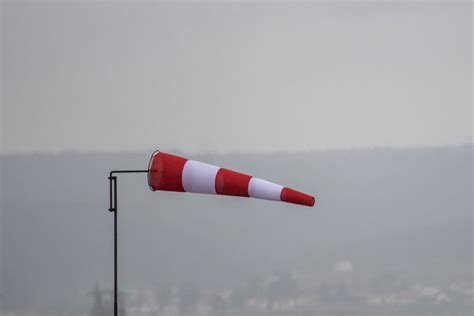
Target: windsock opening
{"points": [[164, 172], [173, 173]]}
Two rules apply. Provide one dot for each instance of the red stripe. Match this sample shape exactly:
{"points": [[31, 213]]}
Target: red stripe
{"points": [[165, 172], [296, 197], [229, 182]]}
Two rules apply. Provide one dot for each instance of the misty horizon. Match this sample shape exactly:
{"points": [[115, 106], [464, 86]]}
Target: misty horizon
{"points": [[237, 152]]}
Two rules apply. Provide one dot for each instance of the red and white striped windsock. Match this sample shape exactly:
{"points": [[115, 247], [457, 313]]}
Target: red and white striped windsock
{"points": [[172, 173]]}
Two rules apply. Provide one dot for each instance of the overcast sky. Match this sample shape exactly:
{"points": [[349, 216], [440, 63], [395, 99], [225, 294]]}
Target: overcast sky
{"points": [[201, 77]]}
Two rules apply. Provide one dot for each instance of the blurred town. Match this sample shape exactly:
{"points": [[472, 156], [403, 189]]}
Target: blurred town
{"points": [[283, 294]]}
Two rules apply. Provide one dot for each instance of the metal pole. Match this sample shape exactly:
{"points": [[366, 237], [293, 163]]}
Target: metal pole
{"points": [[113, 208], [115, 250]]}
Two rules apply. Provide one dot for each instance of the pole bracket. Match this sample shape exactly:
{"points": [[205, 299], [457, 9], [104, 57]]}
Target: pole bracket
{"points": [[113, 193]]}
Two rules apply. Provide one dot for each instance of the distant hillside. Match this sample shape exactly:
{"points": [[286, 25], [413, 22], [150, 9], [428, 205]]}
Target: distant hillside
{"points": [[401, 211]]}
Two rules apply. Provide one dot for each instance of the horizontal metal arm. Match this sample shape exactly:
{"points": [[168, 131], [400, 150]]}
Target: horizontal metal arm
{"points": [[127, 171]]}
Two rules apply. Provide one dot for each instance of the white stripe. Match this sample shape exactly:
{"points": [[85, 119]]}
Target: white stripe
{"points": [[199, 177], [262, 189]]}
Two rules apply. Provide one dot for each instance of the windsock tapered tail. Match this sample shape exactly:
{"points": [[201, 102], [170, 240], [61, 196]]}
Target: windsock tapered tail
{"points": [[172, 173]]}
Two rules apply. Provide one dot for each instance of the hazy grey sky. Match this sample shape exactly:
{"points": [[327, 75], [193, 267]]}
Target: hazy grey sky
{"points": [[234, 77]]}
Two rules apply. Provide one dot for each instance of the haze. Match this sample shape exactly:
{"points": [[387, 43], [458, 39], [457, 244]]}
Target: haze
{"points": [[246, 77], [366, 105]]}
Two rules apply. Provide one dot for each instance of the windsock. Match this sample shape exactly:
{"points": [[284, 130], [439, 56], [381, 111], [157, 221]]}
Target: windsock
{"points": [[172, 173]]}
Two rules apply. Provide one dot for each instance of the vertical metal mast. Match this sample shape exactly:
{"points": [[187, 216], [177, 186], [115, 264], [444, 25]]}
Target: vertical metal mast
{"points": [[113, 208]]}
